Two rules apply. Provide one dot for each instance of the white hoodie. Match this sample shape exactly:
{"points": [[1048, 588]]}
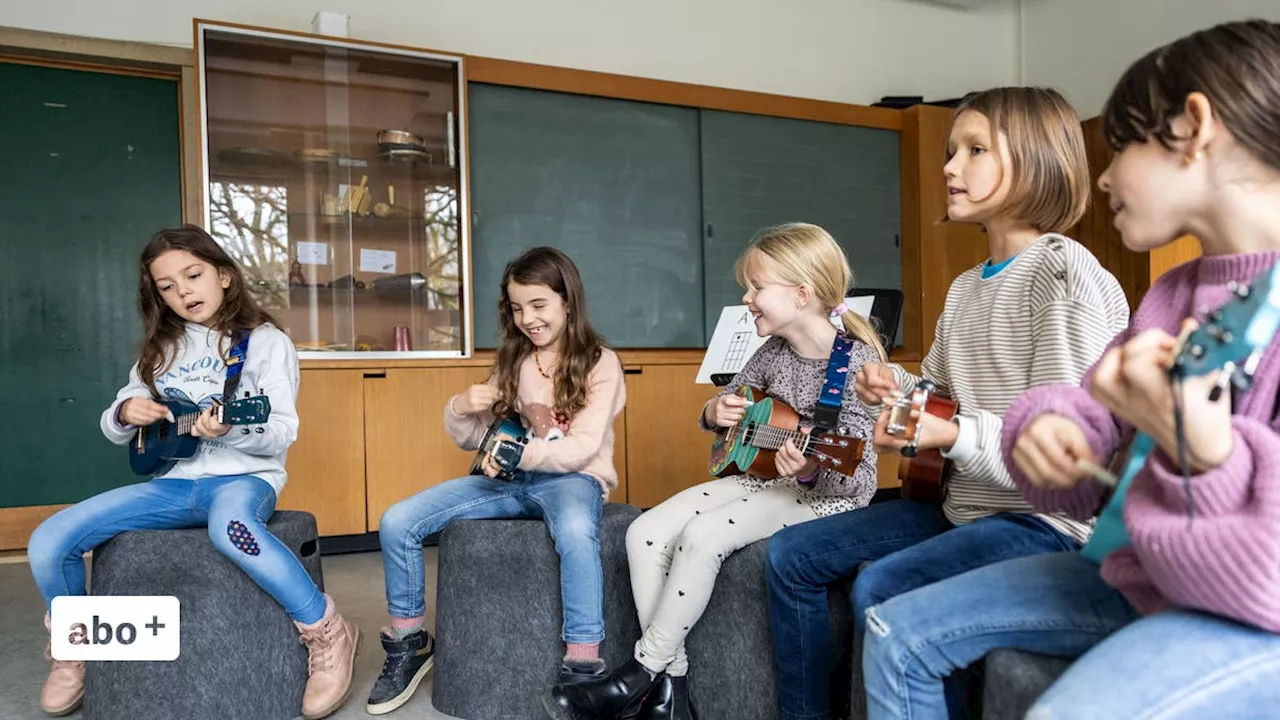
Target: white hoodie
{"points": [[198, 375]]}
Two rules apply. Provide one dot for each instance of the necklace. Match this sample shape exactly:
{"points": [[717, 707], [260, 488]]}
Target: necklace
{"points": [[538, 362]]}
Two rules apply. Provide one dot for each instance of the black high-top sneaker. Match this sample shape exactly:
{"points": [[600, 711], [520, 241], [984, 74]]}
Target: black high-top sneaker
{"points": [[408, 662]]}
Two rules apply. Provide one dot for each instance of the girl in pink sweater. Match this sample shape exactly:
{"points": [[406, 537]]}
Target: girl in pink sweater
{"points": [[554, 376], [1193, 574]]}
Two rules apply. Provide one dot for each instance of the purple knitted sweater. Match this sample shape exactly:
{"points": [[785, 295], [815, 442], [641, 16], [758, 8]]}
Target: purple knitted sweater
{"points": [[1226, 561]]}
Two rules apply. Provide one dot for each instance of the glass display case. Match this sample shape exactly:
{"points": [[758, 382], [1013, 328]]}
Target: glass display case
{"points": [[332, 170]]}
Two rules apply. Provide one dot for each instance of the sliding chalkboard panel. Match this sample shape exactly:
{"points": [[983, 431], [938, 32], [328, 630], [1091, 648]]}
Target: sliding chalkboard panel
{"points": [[91, 172], [759, 171], [612, 183]]}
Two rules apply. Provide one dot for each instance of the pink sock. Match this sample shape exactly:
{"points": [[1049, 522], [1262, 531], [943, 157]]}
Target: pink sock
{"points": [[404, 627], [582, 651]]}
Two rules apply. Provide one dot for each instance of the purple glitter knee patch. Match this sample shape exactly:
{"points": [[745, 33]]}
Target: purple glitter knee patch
{"points": [[242, 538]]}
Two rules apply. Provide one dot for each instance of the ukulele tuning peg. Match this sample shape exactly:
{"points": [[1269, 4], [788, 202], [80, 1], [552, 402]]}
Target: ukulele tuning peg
{"points": [[259, 430], [244, 431]]}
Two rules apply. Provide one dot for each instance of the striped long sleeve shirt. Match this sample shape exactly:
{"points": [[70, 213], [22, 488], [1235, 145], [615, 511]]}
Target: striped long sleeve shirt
{"points": [[1045, 318]]}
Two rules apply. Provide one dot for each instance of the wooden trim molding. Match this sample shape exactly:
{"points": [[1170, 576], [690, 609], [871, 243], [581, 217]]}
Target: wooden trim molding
{"points": [[108, 52], [17, 524], [627, 87]]}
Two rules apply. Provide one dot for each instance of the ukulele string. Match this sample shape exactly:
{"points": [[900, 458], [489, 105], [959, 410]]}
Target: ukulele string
{"points": [[1180, 436]]}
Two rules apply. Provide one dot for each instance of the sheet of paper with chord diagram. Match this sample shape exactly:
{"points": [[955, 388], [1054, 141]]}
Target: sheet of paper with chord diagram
{"points": [[735, 340]]}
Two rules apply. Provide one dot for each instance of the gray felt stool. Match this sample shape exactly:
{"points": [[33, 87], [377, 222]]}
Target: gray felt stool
{"points": [[732, 675], [1013, 680], [498, 614], [240, 654]]}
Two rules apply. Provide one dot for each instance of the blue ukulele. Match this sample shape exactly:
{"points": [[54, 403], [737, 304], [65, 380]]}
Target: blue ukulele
{"points": [[1232, 340], [157, 447], [506, 453]]}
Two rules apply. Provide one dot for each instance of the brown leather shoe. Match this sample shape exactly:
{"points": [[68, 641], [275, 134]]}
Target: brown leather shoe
{"points": [[332, 644], [63, 690]]}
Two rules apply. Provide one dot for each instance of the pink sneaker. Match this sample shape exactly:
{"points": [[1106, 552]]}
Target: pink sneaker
{"points": [[332, 643]]}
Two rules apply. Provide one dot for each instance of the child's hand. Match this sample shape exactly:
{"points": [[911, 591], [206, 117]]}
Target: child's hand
{"points": [[207, 425], [726, 410], [932, 433], [1132, 381], [790, 461], [488, 465], [1048, 449], [142, 411], [874, 383], [477, 399]]}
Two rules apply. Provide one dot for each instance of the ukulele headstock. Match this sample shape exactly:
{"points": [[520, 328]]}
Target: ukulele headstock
{"points": [[904, 414], [1234, 336], [246, 410]]}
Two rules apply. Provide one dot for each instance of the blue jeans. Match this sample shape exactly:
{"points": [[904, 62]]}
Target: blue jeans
{"points": [[570, 504], [1175, 664], [1054, 604], [234, 508], [909, 545]]}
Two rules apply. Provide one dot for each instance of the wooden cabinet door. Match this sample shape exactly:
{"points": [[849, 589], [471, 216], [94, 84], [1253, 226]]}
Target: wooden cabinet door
{"points": [[665, 450], [408, 449], [326, 464]]}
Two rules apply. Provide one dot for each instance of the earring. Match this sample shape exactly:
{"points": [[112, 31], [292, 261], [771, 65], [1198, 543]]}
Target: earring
{"points": [[1187, 160]]}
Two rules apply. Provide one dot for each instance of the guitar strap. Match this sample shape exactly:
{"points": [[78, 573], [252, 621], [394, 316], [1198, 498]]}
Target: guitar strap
{"points": [[826, 414], [235, 365]]}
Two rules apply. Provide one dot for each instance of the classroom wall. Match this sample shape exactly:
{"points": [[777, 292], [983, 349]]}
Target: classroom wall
{"points": [[844, 50], [1082, 46]]}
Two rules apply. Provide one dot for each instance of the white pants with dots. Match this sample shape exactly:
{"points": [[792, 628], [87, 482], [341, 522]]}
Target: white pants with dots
{"points": [[675, 551]]}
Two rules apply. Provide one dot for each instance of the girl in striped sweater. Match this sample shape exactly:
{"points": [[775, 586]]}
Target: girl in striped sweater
{"points": [[1191, 575], [1040, 310]]}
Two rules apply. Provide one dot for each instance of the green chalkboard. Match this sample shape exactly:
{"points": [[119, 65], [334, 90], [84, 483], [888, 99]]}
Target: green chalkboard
{"points": [[91, 172], [759, 171], [612, 183]]}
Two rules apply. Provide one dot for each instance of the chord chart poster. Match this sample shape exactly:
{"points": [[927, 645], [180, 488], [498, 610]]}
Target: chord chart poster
{"points": [[735, 340]]}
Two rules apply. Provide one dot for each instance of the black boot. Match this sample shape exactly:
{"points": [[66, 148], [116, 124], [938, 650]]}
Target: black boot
{"points": [[669, 700], [617, 696]]}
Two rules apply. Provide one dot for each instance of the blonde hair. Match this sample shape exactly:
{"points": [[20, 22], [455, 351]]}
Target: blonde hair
{"points": [[807, 255], [1050, 187]]}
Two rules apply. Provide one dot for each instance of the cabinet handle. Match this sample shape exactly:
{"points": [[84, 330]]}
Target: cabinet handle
{"points": [[374, 374], [453, 153], [633, 371]]}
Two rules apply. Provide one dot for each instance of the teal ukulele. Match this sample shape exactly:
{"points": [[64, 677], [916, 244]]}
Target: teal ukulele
{"points": [[1232, 340], [749, 447]]}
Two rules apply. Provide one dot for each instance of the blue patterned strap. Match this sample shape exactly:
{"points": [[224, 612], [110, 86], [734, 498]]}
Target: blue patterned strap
{"points": [[235, 366], [826, 414]]}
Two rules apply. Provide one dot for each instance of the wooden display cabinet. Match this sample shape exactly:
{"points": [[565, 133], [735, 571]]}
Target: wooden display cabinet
{"points": [[332, 171]]}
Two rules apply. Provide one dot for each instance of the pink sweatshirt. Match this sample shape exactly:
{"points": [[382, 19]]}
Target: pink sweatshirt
{"points": [[581, 444], [1226, 559]]}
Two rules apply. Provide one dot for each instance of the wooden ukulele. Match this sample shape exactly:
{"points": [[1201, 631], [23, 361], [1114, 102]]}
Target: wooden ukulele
{"points": [[923, 474], [750, 446]]}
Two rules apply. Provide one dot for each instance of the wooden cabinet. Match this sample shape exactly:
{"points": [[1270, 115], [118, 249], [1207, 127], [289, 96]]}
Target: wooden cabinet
{"points": [[408, 449], [665, 451], [326, 465], [371, 437]]}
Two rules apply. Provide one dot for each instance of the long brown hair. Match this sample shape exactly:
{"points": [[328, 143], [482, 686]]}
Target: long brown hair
{"points": [[1050, 185], [1235, 65], [580, 344], [162, 328]]}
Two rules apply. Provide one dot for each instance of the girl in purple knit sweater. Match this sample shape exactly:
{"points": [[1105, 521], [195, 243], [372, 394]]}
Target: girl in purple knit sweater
{"points": [[1180, 620]]}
